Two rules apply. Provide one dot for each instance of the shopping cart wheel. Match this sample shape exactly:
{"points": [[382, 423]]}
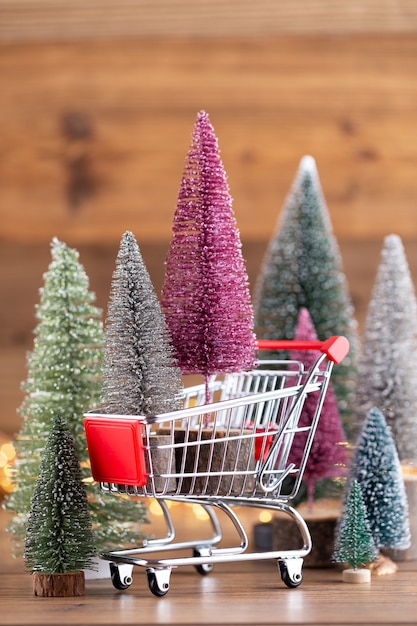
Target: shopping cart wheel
{"points": [[203, 568], [158, 581], [291, 572], [121, 576]]}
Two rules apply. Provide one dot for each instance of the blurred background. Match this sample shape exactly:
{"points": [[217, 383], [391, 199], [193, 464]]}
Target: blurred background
{"points": [[98, 100]]}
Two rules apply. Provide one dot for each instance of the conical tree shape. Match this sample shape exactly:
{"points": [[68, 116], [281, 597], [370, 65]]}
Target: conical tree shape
{"points": [[387, 366], [302, 267], [327, 457], [354, 543], [64, 377], [205, 294], [139, 374], [376, 467], [59, 536]]}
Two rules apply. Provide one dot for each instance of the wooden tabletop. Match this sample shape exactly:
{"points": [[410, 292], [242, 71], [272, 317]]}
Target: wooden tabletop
{"points": [[251, 593], [234, 593]]}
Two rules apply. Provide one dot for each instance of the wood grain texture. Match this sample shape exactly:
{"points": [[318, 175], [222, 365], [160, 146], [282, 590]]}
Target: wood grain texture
{"points": [[234, 594], [58, 585], [43, 19], [94, 134], [249, 594]]}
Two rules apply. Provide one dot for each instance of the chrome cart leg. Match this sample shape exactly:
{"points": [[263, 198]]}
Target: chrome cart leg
{"points": [[170, 535], [206, 549]]}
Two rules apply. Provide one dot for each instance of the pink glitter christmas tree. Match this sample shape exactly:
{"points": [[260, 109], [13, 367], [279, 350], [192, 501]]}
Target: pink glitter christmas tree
{"points": [[327, 456], [205, 296]]}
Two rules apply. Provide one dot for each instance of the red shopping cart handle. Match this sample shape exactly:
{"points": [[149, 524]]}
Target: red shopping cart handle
{"points": [[335, 348]]}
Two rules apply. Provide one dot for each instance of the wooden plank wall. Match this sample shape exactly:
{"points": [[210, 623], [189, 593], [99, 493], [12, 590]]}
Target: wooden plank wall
{"points": [[40, 19], [98, 100]]}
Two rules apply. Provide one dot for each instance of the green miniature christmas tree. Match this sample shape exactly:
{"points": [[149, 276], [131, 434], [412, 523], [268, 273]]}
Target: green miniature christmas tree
{"points": [[59, 536], [139, 373], [354, 543], [376, 466], [303, 268], [389, 349], [64, 377]]}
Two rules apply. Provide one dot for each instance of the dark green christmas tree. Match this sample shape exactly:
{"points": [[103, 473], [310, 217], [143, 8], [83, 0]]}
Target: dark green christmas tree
{"points": [[387, 364], [376, 467], [139, 374], [59, 536], [64, 377], [354, 543], [302, 267]]}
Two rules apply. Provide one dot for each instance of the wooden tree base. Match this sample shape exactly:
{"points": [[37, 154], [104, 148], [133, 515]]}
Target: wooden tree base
{"points": [[59, 585], [356, 576], [383, 565], [321, 522]]}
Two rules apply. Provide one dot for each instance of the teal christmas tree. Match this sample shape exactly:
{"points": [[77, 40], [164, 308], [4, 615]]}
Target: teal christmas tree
{"points": [[64, 377], [302, 267], [205, 295], [140, 376], [376, 467], [59, 536], [354, 543], [327, 457], [389, 350]]}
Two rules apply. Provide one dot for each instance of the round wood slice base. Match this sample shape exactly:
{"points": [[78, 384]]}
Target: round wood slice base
{"points": [[357, 576], [58, 585], [321, 522]]}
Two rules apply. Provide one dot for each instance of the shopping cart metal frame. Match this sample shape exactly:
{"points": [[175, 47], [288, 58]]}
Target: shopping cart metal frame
{"points": [[257, 413]]}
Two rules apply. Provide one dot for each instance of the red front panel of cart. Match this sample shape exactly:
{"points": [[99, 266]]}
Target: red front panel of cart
{"points": [[116, 450]]}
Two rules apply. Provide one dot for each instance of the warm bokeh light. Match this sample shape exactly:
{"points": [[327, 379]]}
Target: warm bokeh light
{"points": [[409, 472], [155, 509], [265, 517], [199, 512], [7, 455]]}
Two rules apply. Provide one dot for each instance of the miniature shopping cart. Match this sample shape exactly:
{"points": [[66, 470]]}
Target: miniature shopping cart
{"points": [[231, 452]]}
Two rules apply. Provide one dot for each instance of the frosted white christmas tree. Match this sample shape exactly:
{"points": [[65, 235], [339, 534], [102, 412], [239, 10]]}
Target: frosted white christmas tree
{"points": [[140, 376], [376, 467], [387, 367]]}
